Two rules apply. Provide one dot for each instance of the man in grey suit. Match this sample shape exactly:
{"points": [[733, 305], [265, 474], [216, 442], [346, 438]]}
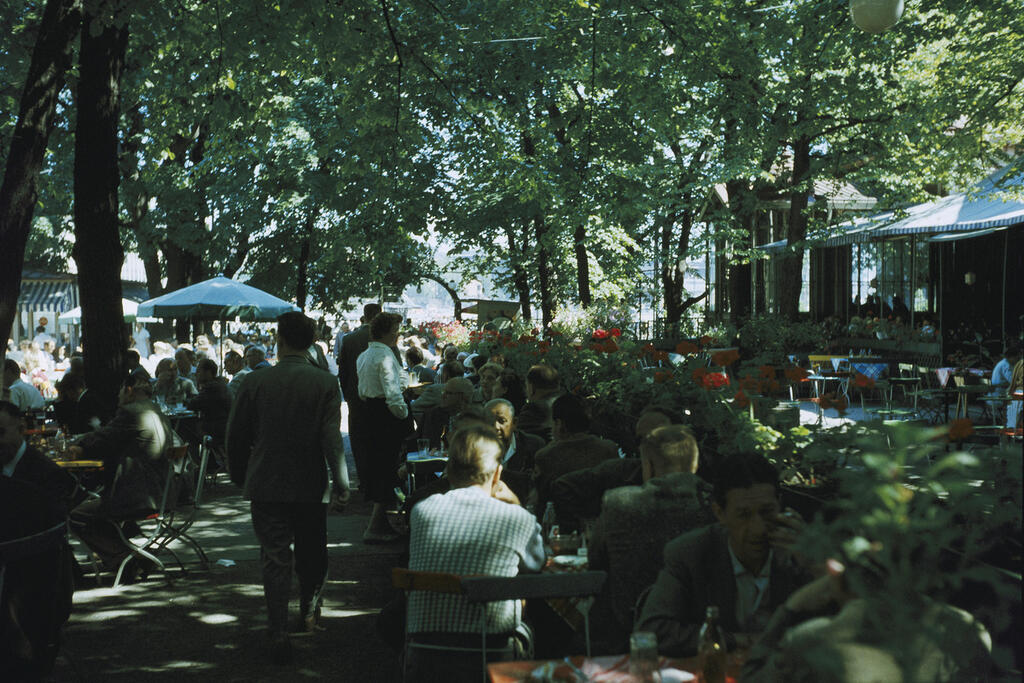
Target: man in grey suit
{"points": [[283, 437], [353, 344]]}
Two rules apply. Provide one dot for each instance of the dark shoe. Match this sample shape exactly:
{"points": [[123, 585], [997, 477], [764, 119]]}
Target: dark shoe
{"points": [[281, 650], [309, 621]]}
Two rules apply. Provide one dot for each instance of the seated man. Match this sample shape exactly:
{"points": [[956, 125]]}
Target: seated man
{"points": [[17, 391], [542, 388], [476, 528], [236, 367], [414, 363], [520, 447], [578, 495], [437, 422], [78, 410], [637, 521], [132, 447], [24, 463], [739, 565], [573, 448], [171, 387], [430, 396], [133, 365], [185, 359], [213, 402]]}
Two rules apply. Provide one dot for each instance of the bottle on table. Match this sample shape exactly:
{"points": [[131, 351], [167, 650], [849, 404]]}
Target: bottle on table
{"points": [[549, 522], [711, 648]]}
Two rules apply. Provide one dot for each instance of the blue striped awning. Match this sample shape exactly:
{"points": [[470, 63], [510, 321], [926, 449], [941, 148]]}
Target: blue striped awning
{"points": [[48, 295]]}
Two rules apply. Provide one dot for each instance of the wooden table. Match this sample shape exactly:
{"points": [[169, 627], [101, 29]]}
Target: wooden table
{"points": [[517, 671]]}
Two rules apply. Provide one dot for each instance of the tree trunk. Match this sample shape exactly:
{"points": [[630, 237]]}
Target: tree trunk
{"points": [[792, 261], [301, 283], [519, 276], [741, 205], [547, 297], [51, 58], [97, 250], [582, 264], [456, 301]]}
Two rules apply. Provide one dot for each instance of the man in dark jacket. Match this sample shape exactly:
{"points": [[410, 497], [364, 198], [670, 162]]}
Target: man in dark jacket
{"points": [[132, 447], [213, 402], [353, 344], [284, 434], [740, 565]]}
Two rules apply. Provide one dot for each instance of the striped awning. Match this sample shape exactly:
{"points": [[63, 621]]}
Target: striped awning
{"points": [[993, 203], [48, 295]]}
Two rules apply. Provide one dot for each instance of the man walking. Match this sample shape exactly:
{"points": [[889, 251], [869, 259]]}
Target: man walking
{"points": [[284, 435]]}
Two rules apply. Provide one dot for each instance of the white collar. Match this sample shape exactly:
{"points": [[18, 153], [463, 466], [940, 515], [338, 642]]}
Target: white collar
{"points": [[13, 464]]}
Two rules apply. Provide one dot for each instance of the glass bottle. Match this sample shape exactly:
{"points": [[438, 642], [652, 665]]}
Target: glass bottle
{"points": [[549, 522], [711, 648]]}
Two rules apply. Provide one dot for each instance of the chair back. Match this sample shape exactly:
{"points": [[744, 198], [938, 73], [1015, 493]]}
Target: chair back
{"points": [[434, 582], [533, 586]]}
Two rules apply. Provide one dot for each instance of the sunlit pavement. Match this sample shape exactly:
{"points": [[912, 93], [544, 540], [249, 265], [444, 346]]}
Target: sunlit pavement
{"points": [[210, 625]]}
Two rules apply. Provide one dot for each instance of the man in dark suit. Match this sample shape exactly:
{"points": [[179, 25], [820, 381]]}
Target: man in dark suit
{"points": [[132, 447], [353, 344], [21, 462], [739, 565], [284, 435], [79, 410], [542, 388], [520, 447]]}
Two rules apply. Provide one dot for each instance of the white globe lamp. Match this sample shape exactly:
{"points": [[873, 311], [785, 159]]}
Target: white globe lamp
{"points": [[876, 16]]}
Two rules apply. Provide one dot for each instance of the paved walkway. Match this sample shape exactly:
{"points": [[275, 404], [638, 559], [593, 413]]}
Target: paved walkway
{"points": [[209, 625]]}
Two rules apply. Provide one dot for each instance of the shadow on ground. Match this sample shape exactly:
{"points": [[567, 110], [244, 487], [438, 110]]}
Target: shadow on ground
{"points": [[210, 624]]}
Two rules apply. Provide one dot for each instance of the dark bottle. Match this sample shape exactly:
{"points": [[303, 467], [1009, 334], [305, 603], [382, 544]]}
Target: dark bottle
{"points": [[711, 648]]}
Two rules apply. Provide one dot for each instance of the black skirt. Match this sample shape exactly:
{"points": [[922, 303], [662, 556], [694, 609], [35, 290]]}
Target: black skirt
{"points": [[385, 437]]}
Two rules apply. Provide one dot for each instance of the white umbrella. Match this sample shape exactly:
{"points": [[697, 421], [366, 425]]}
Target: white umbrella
{"points": [[130, 309]]}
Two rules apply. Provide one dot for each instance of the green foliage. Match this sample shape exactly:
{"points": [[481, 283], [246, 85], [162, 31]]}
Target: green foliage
{"points": [[768, 339], [913, 518]]}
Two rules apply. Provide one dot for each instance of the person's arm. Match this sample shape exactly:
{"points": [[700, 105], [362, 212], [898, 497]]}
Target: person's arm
{"points": [[390, 378], [533, 558], [241, 431], [189, 388], [664, 610]]}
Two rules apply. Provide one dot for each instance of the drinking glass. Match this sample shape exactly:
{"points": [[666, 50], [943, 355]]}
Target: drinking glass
{"points": [[423, 446], [643, 656]]}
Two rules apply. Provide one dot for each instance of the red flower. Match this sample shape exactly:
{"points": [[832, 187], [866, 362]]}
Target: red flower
{"points": [[724, 358], [699, 374], [684, 348], [751, 384], [647, 348], [610, 345], [616, 332], [600, 334], [741, 399], [705, 340], [660, 356]]}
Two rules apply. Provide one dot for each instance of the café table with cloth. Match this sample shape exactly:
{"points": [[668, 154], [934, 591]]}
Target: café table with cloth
{"points": [[604, 669]]}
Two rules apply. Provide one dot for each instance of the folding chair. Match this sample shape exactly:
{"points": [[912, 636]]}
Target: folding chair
{"points": [[436, 582], [157, 538], [182, 515]]}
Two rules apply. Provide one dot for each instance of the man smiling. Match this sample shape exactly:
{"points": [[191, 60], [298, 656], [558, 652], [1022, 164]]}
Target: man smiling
{"points": [[740, 564]]}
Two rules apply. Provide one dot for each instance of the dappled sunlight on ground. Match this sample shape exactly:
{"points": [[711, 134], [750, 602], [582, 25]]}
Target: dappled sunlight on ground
{"points": [[210, 624]]}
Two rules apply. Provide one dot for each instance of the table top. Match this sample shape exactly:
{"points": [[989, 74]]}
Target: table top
{"points": [[603, 668], [420, 456], [80, 464]]}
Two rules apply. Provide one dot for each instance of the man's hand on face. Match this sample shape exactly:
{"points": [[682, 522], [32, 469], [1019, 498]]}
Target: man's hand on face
{"points": [[502, 492], [788, 527]]}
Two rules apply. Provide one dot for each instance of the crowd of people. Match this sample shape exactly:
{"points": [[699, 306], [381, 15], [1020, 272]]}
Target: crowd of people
{"points": [[677, 531]]}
